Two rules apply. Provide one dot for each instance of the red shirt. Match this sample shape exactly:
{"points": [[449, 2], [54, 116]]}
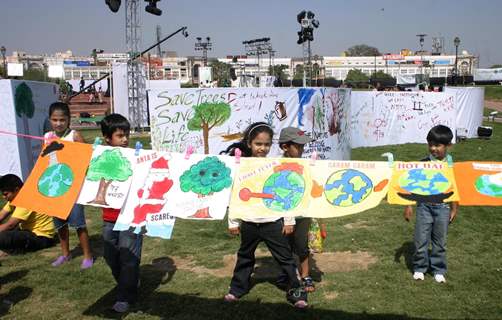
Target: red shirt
{"points": [[110, 214]]}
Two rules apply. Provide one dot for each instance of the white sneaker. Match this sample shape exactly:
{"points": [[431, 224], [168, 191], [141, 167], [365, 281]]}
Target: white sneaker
{"points": [[418, 275], [120, 306], [439, 278]]}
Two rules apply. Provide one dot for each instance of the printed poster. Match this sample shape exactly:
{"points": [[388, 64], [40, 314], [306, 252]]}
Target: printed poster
{"points": [[202, 186], [479, 183], [424, 181], [54, 184], [143, 212], [108, 178]]}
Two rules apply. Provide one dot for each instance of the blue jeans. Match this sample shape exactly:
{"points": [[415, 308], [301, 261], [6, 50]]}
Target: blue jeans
{"points": [[76, 219], [122, 252], [431, 227]]}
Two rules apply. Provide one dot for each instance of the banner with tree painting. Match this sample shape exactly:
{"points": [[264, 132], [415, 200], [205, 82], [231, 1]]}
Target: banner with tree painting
{"points": [[210, 119]]}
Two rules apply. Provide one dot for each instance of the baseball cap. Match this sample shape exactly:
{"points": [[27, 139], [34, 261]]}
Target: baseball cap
{"points": [[294, 135]]}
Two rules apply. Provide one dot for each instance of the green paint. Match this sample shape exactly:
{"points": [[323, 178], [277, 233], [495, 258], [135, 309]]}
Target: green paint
{"points": [[206, 117], [23, 101], [206, 176], [110, 165]]}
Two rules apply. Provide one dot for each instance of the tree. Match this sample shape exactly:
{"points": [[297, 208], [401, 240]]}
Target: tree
{"points": [[204, 178], [206, 117], [278, 71], [221, 72], [381, 75], [298, 75], [356, 77], [25, 109], [108, 167], [496, 66], [362, 50]]}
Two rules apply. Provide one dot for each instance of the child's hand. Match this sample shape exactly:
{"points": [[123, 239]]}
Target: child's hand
{"points": [[408, 212], [287, 230], [234, 231], [453, 215]]}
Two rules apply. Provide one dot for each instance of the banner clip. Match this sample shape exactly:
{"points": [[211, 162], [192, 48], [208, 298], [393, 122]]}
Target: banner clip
{"points": [[313, 158], [390, 158], [188, 152], [237, 153], [96, 143], [137, 148]]}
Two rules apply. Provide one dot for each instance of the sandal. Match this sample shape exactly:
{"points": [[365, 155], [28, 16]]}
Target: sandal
{"points": [[308, 284]]}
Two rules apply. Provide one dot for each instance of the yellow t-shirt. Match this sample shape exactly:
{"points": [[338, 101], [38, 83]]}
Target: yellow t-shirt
{"points": [[39, 224]]}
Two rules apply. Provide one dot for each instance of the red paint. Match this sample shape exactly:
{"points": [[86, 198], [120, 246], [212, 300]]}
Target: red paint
{"points": [[159, 189], [160, 163], [141, 211], [290, 166]]}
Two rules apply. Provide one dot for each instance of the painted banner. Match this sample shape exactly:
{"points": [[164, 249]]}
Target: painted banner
{"points": [[297, 187], [424, 181], [143, 211], [108, 178], [202, 186], [210, 119], [479, 183], [383, 117], [25, 107], [54, 183], [267, 187], [347, 187]]}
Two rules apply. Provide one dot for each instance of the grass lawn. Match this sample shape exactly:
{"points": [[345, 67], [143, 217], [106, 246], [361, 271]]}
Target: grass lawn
{"points": [[493, 92], [185, 278]]}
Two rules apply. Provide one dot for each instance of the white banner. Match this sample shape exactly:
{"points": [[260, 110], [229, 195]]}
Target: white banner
{"points": [[469, 103], [488, 74], [384, 117], [25, 106], [323, 113]]}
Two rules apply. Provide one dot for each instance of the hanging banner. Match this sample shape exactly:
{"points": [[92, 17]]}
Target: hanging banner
{"points": [[479, 183], [143, 211], [423, 181], [210, 119], [54, 183], [108, 178], [381, 118]]}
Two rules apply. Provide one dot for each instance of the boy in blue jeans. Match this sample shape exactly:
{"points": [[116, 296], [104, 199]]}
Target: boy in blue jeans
{"points": [[433, 218], [122, 249]]}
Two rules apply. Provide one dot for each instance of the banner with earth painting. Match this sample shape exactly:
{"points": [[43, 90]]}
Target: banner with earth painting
{"points": [[480, 183]]}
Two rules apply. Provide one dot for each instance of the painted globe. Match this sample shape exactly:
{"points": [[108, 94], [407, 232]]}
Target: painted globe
{"points": [[287, 187], [424, 182], [56, 180], [345, 188], [490, 185]]}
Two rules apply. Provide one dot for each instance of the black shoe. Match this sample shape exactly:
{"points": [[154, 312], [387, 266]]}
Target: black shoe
{"points": [[297, 297]]}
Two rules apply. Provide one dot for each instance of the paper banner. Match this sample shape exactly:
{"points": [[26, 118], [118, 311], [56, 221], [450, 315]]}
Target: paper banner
{"points": [[202, 186], [347, 187], [54, 184], [424, 181], [109, 177], [480, 183], [144, 211], [271, 188]]}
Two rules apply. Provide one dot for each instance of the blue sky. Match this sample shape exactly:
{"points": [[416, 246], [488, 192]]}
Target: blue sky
{"points": [[46, 26]]}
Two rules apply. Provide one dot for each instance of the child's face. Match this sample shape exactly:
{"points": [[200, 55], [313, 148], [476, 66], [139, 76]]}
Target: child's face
{"points": [[10, 195], [292, 150], [59, 121], [260, 145], [119, 138], [438, 150]]}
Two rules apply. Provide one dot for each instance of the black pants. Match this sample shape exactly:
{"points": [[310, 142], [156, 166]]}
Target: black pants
{"points": [[299, 240], [251, 235], [19, 241]]}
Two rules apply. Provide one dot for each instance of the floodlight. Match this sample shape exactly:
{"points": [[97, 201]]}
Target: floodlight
{"points": [[151, 7], [114, 5]]}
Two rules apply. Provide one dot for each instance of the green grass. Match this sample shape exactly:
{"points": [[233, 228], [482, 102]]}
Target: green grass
{"points": [[384, 291], [493, 92]]}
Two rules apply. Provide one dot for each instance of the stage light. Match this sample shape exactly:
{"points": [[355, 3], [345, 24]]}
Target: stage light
{"points": [[199, 39], [114, 5], [152, 7], [301, 16], [185, 33]]}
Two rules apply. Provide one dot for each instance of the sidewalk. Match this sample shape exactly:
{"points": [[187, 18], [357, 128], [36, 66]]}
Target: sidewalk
{"points": [[493, 104]]}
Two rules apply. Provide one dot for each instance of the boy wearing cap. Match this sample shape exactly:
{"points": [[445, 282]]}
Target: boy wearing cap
{"points": [[292, 142]]}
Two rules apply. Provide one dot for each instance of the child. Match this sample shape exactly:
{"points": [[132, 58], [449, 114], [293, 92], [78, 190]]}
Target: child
{"points": [[24, 230], [433, 218], [256, 142], [59, 118], [292, 142], [122, 249]]}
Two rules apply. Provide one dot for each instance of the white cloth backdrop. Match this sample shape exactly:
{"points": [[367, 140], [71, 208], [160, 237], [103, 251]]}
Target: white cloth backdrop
{"points": [[469, 103], [386, 117], [322, 113], [19, 154]]}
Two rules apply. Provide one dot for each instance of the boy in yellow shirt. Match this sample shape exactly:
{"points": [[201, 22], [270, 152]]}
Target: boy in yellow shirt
{"points": [[25, 230]]}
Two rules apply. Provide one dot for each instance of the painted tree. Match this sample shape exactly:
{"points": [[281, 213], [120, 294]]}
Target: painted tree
{"points": [[206, 117], [108, 167], [25, 109], [204, 178]]}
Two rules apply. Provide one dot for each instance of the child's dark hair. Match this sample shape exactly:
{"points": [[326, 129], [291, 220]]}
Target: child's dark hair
{"points": [[440, 135], [249, 134], [114, 122], [60, 106], [10, 182]]}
